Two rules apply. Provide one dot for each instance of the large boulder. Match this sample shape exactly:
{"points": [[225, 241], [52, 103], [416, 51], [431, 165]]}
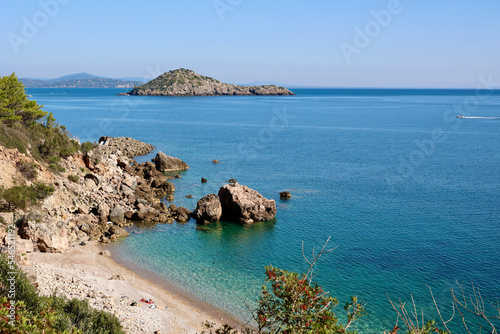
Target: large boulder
{"points": [[145, 212], [117, 215], [208, 209], [118, 231], [182, 215], [103, 212], [49, 242], [130, 181], [166, 163], [246, 205]]}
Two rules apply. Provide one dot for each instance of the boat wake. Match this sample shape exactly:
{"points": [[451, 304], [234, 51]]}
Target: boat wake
{"points": [[477, 117]]}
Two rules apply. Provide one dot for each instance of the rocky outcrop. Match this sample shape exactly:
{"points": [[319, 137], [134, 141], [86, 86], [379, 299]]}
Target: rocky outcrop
{"points": [[95, 196], [208, 209], [285, 195], [44, 237], [128, 146], [184, 82], [166, 163], [240, 203]]}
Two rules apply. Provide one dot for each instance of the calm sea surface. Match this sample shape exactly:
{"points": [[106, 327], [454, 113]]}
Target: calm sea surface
{"points": [[409, 194]]}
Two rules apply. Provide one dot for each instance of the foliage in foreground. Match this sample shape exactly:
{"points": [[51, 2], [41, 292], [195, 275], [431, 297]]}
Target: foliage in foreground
{"points": [[23, 310], [292, 303], [473, 313]]}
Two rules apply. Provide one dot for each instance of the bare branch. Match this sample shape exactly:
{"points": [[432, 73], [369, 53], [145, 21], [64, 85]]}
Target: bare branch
{"points": [[316, 257], [439, 312]]}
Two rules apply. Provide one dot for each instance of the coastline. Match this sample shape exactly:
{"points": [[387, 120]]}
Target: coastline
{"points": [[84, 274], [220, 316]]}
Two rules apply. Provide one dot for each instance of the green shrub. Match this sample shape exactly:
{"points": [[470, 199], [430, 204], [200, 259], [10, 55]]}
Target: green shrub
{"points": [[292, 303], [25, 196], [28, 169], [56, 168], [42, 190], [87, 147], [57, 144], [18, 197], [73, 178]]}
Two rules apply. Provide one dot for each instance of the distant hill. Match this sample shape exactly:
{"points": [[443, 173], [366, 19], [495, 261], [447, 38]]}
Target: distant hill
{"points": [[79, 80], [76, 76], [184, 82], [261, 83]]}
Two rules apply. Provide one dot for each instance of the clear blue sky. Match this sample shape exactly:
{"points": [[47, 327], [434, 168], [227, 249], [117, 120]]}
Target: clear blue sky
{"points": [[424, 43]]}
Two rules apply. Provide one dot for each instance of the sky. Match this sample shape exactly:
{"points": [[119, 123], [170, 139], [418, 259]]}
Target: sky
{"points": [[331, 43]]}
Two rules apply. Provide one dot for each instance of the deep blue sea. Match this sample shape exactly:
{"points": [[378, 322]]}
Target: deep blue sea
{"points": [[409, 194]]}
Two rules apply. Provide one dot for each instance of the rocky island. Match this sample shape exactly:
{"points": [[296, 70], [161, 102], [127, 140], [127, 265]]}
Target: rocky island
{"points": [[184, 82]]}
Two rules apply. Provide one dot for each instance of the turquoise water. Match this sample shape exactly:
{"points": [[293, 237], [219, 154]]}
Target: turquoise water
{"points": [[408, 192]]}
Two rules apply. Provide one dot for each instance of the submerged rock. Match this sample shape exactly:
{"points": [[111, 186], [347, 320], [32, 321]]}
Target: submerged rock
{"points": [[208, 209], [246, 205]]}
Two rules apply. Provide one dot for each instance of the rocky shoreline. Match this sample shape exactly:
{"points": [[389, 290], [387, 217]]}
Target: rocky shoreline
{"points": [[96, 195]]}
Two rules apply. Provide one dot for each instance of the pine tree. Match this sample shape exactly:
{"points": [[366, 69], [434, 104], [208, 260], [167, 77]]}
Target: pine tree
{"points": [[14, 103]]}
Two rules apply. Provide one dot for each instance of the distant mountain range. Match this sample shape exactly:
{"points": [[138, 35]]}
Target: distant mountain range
{"points": [[86, 80], [82, 80]]}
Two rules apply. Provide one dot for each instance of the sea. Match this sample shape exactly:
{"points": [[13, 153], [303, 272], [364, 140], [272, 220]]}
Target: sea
{"points": [[407, 193]]}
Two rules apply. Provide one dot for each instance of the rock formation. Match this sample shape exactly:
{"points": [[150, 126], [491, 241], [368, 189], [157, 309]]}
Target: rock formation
{"points": [[95, 196], [208, 209], [246, 205], [184, 82], [166, 163], [128, 146], [285, 195]]}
